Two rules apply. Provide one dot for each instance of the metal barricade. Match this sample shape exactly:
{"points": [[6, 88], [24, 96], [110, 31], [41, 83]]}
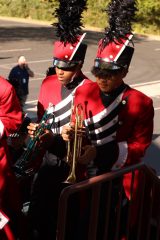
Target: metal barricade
{"points": [[121, 205]]}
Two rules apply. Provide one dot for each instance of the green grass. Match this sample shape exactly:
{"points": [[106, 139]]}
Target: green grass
{"points": [[94, 17]]}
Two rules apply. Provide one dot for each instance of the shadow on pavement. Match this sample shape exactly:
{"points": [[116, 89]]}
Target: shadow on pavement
{"points": [[44, 33]]}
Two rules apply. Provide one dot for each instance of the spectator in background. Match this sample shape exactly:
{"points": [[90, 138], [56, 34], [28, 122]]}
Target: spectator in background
{"points": [[19, 78]]}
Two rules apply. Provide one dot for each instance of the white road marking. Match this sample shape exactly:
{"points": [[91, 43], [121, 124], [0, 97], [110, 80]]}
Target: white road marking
{"points": [[37, 61], [151, 89], [33, 101], [16, 50], [145, 83], [31, 109], [5, 67], [158, 108], [37, 79]]}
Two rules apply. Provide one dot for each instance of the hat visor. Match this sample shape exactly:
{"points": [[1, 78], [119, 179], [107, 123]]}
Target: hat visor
{"points": [[64, 64], [99, 63]]}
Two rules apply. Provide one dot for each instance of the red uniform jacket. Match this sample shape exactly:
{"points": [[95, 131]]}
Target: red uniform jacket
{"points": [[52, 91], [10, 120], [128, 120]]}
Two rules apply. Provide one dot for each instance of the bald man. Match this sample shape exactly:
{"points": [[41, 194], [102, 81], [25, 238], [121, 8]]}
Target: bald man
{"points": [[19, 78]]}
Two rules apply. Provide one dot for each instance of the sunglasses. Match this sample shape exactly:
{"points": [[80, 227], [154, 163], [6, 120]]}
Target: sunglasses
{"points": [[105, 73], [65, 65]]}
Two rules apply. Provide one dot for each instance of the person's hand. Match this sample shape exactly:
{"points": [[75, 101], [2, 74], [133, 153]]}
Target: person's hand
{"points": [[32, 127], [46, 139], [88, 155], [67, 132], [30, 72]]}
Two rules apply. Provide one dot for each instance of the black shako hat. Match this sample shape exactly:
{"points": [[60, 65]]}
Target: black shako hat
{"points": [[116, 49], [70, 49]]}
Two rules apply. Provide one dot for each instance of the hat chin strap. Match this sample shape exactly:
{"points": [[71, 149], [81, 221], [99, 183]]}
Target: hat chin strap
{"points": [[75, 75]]}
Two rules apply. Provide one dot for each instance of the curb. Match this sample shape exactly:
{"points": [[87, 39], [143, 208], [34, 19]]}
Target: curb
{"points": [[148, 36]]}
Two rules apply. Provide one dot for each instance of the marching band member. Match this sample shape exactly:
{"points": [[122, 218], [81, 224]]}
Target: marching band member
{"points": [[58, 89], [10, 120], [119, 118]]}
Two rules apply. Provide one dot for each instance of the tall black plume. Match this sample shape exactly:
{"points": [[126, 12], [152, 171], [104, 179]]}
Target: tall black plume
{"points": [[69, 25], [121, 14]]}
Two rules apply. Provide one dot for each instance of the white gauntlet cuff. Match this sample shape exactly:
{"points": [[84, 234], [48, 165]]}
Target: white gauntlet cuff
{"points": [[123, 153], [1, 129]]}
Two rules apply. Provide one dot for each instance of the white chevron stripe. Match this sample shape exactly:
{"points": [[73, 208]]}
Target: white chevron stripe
{"points": [[106, 126], [63, 116], [104, 140], [67, 99], [105, 112]]}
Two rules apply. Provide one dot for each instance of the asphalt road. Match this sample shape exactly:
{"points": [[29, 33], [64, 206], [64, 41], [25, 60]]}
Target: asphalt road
{"points": [[35, 41]]}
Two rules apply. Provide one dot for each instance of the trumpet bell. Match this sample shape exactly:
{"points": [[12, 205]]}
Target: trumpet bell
{"points": [[71, 178]]}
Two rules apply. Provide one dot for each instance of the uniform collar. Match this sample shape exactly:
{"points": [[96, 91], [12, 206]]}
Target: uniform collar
{"points": [[75, 82], [107, 99]]}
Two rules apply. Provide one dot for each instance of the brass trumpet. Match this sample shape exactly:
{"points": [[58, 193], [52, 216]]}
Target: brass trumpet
{"points": [[75, 145]]}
